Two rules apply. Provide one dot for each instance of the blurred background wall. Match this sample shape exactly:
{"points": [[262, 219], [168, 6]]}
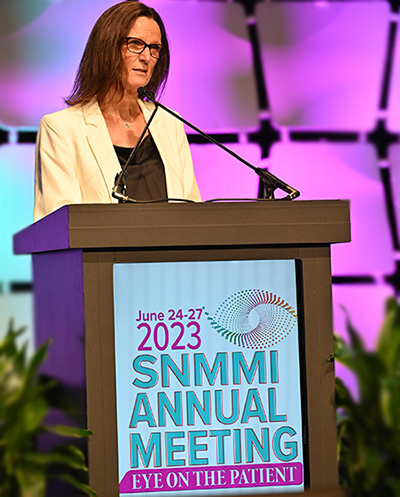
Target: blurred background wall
{"points": [[308, 89]]}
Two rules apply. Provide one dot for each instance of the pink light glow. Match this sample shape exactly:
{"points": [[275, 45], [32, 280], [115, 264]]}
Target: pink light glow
{"points": [[221, 176], [323, 66], [343, 171]]}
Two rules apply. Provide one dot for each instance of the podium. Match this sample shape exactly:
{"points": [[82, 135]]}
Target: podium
{"points": [[75, 248]]}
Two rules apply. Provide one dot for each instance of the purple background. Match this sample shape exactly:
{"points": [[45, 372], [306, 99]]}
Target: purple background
{"points": [[308, 89]]}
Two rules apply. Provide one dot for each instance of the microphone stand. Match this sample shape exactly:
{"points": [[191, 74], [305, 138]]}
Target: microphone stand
{"points": [[119, 190], [270, 181]]}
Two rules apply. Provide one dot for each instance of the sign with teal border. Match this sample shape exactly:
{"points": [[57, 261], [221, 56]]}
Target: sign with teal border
{"points": [[208, 378]]}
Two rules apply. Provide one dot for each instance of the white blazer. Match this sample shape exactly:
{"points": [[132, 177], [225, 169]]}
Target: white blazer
{"points": [[76, 162]]}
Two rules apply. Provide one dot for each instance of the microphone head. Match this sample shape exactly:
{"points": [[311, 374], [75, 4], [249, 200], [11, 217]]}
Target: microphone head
{"points": [[144, 92]]}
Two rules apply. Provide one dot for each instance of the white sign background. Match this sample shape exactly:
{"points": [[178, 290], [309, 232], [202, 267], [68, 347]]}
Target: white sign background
{"points": [[184, 292]]}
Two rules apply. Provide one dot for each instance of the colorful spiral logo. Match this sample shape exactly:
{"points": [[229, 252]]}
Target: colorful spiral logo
{"points": [[254, 319]]}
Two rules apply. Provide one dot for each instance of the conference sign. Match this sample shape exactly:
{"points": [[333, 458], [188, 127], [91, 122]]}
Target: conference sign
{"points": [[208, 378]]}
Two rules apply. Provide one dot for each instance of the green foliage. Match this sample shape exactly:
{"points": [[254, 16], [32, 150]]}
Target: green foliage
{"points": [[25, 400], [369, 427]]}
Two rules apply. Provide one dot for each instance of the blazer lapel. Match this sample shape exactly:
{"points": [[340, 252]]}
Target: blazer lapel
{"points": [[101, 146], [103, 152]]}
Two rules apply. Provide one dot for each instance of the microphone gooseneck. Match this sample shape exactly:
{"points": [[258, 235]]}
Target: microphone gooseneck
{"points": [[270, 181]]}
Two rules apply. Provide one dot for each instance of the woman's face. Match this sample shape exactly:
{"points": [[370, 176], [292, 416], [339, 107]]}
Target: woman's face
{"points": [[140, 67]]}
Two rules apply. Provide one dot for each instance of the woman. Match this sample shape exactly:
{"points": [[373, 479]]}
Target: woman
{"points": [[81, 149]]}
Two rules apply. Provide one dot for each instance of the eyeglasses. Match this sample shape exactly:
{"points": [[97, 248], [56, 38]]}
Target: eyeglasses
{"points": [[136, 45]]}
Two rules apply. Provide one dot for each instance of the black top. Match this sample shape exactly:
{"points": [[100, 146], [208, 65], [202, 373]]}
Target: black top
{"points": [[146, 176]]}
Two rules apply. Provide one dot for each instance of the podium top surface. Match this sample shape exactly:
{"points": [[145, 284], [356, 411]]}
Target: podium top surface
{"points": [[108, 226]]}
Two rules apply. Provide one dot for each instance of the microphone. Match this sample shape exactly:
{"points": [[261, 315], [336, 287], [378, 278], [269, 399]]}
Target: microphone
{"points": [[119, 190], [270, 181]]}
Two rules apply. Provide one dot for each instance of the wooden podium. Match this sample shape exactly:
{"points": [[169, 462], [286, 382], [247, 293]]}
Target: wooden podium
{"points": [[74, 249]]}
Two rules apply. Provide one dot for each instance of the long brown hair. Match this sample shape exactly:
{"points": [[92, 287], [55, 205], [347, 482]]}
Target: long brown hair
{"points": [[101, 68]]}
